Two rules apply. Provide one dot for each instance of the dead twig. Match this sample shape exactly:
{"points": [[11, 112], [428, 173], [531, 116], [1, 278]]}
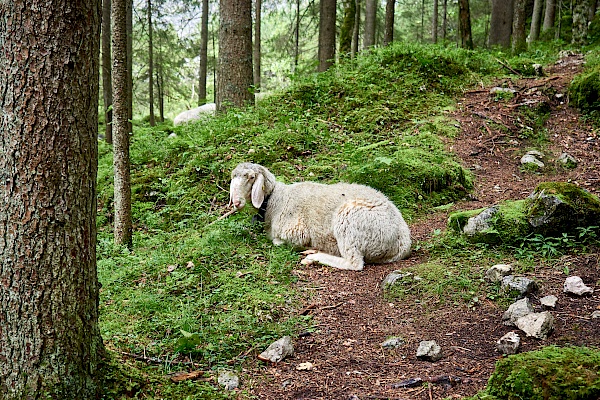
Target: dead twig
{"points": [[156, 360], [508, 68], [330, 307]]}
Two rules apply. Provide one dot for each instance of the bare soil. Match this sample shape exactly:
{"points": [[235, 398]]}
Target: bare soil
{"points": [[353, 317]]}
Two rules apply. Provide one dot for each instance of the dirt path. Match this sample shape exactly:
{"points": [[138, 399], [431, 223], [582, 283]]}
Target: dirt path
{"points": [[354, 318]]}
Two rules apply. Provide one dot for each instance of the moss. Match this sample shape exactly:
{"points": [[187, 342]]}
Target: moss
{"points": [[458, 220], [584, 91], [551, 373]]}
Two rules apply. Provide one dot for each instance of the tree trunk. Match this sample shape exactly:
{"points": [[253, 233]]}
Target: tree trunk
{"points": [[161, 92], [129, 36], [519, 42], [580, 21], [466, 39], [257, 45], [370, 19], [422, 34], [326, 34], [388, 36], [501, 23], [549, 15], [536, 18], [444, 19], [203, 54], [592, 10], [50, 344], [150, 66], [235, 74], [121, 123], [106, 71], [297, 37], [347, 28], [356, 30], [434, 22]]}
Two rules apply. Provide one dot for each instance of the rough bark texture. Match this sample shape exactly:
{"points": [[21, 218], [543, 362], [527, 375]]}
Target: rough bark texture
{"points": [[536, 19], [257, 43], [297, 36], [444, 19], [370, 19], [121, 126], [519, 41], [203, 55], [388, 36], [549, 15], [434, 22], [50, 345], [150, 66], [107, 70], [234, 77], [356, 30], [327, 34], [466, 39], [347, 28], [501, 23], [580, 21]]}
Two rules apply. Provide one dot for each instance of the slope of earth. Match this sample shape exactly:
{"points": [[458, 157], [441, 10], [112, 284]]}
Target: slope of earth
{"points": [[353, 317]]}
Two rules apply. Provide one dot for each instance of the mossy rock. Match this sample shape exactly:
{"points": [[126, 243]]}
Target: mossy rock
{"points": [[551, 373], [584, 91]]}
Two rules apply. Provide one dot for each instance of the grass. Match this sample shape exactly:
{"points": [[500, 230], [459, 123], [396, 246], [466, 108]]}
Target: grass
{"points": [[214, 292]]}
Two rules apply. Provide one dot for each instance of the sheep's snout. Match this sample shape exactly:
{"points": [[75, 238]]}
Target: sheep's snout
{"points": [[236, 198]]}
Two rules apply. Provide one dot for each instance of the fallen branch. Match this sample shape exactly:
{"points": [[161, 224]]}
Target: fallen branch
{"points": [[185, 376], [156, 360], [509, 68], [414, 382]]}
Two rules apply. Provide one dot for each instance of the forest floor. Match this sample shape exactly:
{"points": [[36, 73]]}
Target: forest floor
{"points": [[353, 317]]}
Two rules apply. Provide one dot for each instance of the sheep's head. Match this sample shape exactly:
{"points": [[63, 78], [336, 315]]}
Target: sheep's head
{"points": [[248, 184]]}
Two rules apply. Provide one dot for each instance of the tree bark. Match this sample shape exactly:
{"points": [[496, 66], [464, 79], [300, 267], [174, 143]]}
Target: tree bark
{"points": [[235, 73], [519, 41], [347, 28], [501, 23], [466, 39], [580, 21], [549, 15], [444, 19], [203, 55], [434, 22], [536, 19], [121, 123], [257, 45], [150, 65], [107, 71], [50, 344], [327, 34], [388, 36], [370, 19], [356, 30], [297, 37]]}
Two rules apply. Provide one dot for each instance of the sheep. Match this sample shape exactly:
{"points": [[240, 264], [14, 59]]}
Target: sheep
{"points": [[347, 224]]}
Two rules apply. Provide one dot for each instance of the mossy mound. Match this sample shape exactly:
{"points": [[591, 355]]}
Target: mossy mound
{"points": [[584, 91], [551, 373]]}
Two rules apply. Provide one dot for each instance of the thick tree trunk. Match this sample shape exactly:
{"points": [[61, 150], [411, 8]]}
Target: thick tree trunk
{"points": [[356, 30], [50, 344], [107, 71], [370, 19], [297, 37], [347, 28], [388, 36], [121, 123], [235, 74], [444, 19], [327, 34], [549, 15], [203, 54], [150, 66], [434, 22], [536, 19], [580, 21], [464, 19], [129, 13], [257, 44], [501, 23], [519, 41]]}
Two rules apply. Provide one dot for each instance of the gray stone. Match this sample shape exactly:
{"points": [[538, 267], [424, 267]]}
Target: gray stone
{"points": [[567, 160], [517, 310], [479, 223], [278, 350], [533, 157], [393, 343], [498, 89], [394, 276], [549, 301], [229, 380], [195, 113], [509, 343], [497, 272], [538, 325], [520, 284], [429, 350], [596, 314], [574, 285]]}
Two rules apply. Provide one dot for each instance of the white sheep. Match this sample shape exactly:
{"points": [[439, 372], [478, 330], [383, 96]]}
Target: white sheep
{"points": [[349, 224]]}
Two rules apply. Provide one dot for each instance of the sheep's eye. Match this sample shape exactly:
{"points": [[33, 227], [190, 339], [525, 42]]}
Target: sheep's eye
{"points": [[251, 178]]}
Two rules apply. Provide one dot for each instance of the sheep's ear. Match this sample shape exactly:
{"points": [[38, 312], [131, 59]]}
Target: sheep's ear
{"points": [[258, 191]]}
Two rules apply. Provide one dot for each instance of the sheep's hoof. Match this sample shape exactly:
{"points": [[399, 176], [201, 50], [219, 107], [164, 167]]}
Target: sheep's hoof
{"points": [[309, 251], [307, 261]]}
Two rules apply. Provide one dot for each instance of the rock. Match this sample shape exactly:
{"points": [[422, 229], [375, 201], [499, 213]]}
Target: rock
{"points": [[229, 380], [393, 343], [509, 343], [498, 89], [392, 277], [596, 314], [520, 284], [477, 226], [195, 113], [497, 272], [533, 157], [517, 310], [278, 350], [537, 325], [538, 69], [567, 161], [549, 301], [429, 350], [574, 285]]}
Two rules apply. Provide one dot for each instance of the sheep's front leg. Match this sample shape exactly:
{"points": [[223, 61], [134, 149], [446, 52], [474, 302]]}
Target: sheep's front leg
{"points": [[334, 261], [278, 242]]}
